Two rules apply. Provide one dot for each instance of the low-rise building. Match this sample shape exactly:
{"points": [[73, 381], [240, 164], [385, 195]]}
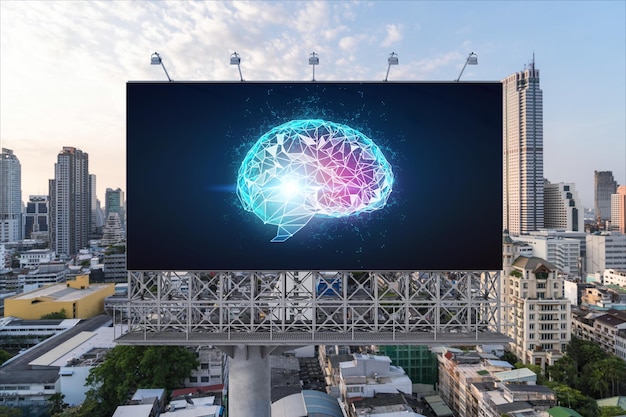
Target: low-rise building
{"points": [[614, 277], [78, 298], [44, 274], [473, 384], [30, 378], [32, 258], [606, 327], [367, 375]]}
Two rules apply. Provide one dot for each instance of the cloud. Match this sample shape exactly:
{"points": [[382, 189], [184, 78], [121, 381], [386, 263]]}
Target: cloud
{"points": [[393, 35]]}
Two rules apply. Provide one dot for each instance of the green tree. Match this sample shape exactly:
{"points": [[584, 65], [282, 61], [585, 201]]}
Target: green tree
{"points": [[573, 398], [564, 371], [614, 369], [509, 357], [611, 411], [88, 408], [595, 379], [584, 352], [57, 315], [56, 404], [4, 356], [10, 412], [127, 368], [589, 408]]}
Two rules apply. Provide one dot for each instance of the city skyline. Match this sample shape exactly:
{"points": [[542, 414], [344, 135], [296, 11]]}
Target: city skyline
{"points": [[65, 67]]}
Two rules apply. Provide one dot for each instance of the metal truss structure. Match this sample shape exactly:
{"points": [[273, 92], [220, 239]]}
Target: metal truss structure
{"points": [[301, 308]]}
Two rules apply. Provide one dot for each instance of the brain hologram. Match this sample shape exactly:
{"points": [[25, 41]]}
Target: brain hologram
{"points": [[305, 168]]}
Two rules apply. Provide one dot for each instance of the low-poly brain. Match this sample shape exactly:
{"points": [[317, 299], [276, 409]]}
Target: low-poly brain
{"points": [[304, 168]]}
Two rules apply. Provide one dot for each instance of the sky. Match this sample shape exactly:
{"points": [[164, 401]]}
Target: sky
{"points": [[64, 66]]}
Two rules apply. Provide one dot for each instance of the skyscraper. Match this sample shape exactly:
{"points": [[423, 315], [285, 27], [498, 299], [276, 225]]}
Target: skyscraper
{"points": [[114, 203], [70, 202], [522, 184], [604, 186], [562, 208], [37, 216], [618, 209], [10, 197]]}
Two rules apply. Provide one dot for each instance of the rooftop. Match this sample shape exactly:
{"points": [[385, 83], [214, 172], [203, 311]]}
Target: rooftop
{"points": [[60, 292], [19, 370]]}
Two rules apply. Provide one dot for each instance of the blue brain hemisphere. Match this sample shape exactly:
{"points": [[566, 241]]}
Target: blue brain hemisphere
{"points": [[304, 168]]}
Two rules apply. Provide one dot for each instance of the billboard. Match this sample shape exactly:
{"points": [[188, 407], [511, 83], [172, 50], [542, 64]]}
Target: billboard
{"points": [[322, 176]]}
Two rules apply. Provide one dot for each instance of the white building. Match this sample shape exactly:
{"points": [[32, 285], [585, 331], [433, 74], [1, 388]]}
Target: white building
{"points": [[614, 277], [32, 258], [618, 209], [523, 207], [44, 274], [211, 369], [112, 233], [367, 375], [606, 250], [539, 318], [10, 197], [562, 208], [561, 252]]}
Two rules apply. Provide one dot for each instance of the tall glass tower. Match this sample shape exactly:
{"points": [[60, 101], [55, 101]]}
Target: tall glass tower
{"points": [[522, 185], [603, 186], [10, 197], [70, 202]]}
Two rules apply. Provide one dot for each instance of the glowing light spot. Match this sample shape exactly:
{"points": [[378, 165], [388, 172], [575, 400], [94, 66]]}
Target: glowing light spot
{"points": [[304, 168]]}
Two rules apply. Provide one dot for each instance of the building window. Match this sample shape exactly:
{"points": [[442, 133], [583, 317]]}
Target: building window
{"points": [[193, 379], [204, 366], [204, 379]]}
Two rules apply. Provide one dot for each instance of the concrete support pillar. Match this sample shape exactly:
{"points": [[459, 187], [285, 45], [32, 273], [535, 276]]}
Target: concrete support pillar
{"points": [[248, 381]]}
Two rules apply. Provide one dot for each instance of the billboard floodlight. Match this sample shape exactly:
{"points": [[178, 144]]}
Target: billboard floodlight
{"points": [[472, 59], [392, 60], [235, 59], [155, 59], [314, 60]]}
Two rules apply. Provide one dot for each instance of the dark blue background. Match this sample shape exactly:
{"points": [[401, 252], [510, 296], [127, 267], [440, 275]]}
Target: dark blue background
{"points": [[186, 141]]}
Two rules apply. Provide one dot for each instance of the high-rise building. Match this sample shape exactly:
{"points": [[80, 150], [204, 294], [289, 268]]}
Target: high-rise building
{"points": [[618, 209], [606, 250], [562, 208], [70, 202], [114, 203], [36, 217], [604, 187], [539, 317], [522, 186], [93, 203], [10, 197]]}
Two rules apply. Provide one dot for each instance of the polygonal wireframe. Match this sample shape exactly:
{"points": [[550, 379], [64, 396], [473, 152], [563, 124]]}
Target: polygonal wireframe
{"points": [[304, 168]]}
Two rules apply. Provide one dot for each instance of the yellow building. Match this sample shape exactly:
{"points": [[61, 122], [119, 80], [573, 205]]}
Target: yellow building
{"points": [[78, 298]]}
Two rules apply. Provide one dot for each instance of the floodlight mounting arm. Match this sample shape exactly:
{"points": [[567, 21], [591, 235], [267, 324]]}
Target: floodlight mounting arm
{"points": [[313, 61], [235, 59], [391, 60], [156, 60], [472, 59]]}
